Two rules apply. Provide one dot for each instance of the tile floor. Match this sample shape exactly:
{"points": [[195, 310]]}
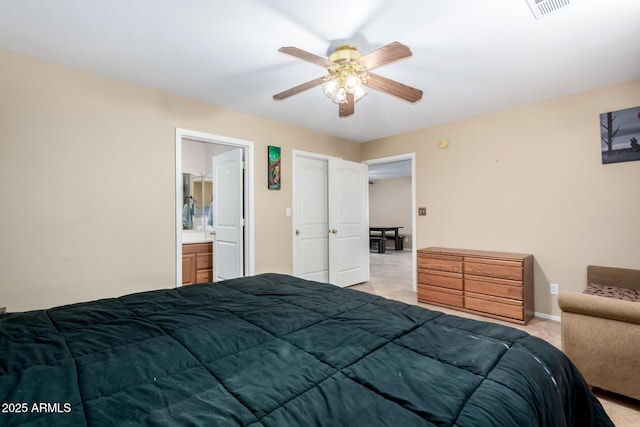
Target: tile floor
{"points": [[391, 278]]}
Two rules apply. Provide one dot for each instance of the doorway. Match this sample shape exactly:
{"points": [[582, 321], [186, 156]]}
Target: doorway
{"points": [[397, 166], [216, 146]]}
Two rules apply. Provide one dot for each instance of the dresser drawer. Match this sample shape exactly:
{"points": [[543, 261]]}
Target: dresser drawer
{"points": [[442, 279], [444, 296], [440, 262], [503, 269], [489, 286], [494, 305]]}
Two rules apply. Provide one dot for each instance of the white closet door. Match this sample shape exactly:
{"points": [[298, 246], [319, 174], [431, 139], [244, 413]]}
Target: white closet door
{"points": [[228, 215], [330, 220], [348, 222], [311, 219]]}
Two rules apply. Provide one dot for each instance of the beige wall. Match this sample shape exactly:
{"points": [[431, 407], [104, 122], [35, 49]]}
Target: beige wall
{"points": [[390, 205], [99, 155], [530, 179]]}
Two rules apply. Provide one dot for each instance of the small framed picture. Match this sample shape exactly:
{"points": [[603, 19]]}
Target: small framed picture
{"points": [[273, 179], [620, 135]]}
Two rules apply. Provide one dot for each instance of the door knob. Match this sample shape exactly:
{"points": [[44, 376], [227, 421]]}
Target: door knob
{"points": [[212, 233], [334, 231], [297, 232]]}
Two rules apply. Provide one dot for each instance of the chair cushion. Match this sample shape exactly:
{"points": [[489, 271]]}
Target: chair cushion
{"points": [[613, 292]]}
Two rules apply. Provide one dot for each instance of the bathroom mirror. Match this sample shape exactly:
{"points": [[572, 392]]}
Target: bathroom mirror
{"points": [[197, 183], [197, 197]]}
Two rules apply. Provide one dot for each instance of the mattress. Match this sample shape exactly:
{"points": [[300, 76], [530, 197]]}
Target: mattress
{"points": [[274, 350]]}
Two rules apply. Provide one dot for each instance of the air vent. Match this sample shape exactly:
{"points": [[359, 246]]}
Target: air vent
{"points": [[542, 8]]}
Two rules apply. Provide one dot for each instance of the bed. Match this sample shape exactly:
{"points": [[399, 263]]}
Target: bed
{"points": [[274, 350]]}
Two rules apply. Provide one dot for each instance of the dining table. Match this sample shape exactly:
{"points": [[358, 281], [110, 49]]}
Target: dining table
{"points": [[398, 246]]}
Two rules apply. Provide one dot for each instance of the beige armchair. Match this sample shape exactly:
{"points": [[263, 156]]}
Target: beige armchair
{"points": [[601, 335]]}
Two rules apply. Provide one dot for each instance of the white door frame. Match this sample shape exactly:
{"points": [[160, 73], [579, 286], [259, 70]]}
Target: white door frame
{"points": [[414, 253], [249, 235]]}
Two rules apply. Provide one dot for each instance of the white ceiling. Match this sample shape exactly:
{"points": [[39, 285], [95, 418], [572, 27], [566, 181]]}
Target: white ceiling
{"points": [[469, 56]]}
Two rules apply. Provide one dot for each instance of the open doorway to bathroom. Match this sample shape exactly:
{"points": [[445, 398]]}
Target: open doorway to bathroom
{"points": [[214, 207], [392, 204]]}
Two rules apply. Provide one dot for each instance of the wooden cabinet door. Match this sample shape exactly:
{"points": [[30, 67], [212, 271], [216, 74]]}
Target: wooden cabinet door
{"points": [[189, 272]]}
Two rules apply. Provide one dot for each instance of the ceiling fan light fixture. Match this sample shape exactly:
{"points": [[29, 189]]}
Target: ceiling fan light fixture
{"points": [[359, 93], [351, 83], [341, 96], [348, 74], [330, 87], [343, 80]]}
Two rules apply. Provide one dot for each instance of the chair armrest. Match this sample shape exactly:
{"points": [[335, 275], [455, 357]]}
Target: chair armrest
{"points": [[598, 306]]}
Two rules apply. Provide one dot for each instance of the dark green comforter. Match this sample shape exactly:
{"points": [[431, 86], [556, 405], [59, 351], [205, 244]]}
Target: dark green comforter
{"points": [[273, 350]]}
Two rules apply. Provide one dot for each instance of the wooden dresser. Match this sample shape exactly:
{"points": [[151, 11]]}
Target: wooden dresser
{"points": [[492, 284], [197, 263]]}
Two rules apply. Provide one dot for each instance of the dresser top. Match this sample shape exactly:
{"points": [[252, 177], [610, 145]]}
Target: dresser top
{"points": [[473, 253]]}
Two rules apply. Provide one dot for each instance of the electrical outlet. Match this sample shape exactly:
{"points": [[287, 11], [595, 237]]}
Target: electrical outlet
{"points": [[422, 211], [553, 288]]}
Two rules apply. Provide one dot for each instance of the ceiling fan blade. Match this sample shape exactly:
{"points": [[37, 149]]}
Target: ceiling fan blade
{"points": [[300, 88], [306, 56], [385, 55], [394, 88], [347, 108]]}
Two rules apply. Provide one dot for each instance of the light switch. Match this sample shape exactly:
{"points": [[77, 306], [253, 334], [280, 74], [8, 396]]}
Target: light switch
{"points": [[422, 211], [288, 211]]}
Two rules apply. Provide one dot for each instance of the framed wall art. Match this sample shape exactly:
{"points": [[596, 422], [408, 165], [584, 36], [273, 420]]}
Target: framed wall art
{"points": [[620, 135], [273, 182]]}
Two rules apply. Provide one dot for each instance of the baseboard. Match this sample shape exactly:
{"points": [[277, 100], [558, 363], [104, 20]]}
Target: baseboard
{"points": [[547, 316]]}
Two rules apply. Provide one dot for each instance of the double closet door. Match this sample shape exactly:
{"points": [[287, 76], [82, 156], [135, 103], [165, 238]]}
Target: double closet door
{"points": [[330, 220]]}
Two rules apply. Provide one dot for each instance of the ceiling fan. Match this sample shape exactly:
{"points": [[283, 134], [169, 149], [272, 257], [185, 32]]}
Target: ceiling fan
{"points": [[348, 73]]}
